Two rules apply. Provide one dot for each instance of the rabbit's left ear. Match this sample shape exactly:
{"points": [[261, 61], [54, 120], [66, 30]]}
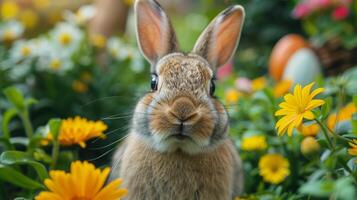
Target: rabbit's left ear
{"points": [[219, 40]]}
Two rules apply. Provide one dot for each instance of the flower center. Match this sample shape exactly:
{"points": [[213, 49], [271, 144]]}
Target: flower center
{"points": [[55, 64], [274, 168], [301, 109], [80, 198], [65, 38], [25, 51], [8, 36]]}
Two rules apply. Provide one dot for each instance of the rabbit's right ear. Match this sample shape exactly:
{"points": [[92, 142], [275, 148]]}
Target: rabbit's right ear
{"points": [[155, 34], [219, 40]]}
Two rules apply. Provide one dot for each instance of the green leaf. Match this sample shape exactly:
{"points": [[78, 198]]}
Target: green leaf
{"points": [[5, 142], [354, 124], [15, 97], [345, 189], [20, 140], [30, 101], [54, 125], [10, 175], [8, 115], [18, 157], [355, 100], [318, 188]]}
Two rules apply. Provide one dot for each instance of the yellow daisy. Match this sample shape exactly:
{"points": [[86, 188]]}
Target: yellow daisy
{"points": [[296, 107], [9, 10], [353, 150], [309, 145], [79, 86], [255, 142], [83, 182], [98, 40], [344, 114], [308, 130], [282, 88], [274, 168], [259, 83], [78, 130], [232, 96]]}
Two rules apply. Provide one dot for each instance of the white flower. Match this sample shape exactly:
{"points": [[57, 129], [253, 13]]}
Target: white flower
{"points": [[67, 36], [83, 15], [137, 62], [21, 50], [118, 49], [11, 30], [54, 60]]}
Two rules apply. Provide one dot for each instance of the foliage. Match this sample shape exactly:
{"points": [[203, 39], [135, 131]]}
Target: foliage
{"points": [[321, 161], [325, 20], [49, 80]]}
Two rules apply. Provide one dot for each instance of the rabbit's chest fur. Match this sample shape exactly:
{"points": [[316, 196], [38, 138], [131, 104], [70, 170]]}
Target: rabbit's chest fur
{"points": [[153, 175]]}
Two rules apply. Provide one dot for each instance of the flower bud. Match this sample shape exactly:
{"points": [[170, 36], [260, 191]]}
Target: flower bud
{"points": [[309, 146]]}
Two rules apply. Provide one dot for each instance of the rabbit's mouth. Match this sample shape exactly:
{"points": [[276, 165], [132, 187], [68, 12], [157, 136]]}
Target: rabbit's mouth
{"points": [[180, 136]]}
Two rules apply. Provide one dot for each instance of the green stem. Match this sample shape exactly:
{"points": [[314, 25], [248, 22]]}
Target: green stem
{"points": [[27, 124], [55, 152], [325, 131], [335, 135]]}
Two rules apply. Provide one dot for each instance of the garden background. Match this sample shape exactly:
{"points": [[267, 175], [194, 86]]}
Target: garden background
{"points": [[71, 73]]}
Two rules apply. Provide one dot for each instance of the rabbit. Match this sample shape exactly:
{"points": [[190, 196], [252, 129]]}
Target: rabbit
{"points": [[178, 146]]}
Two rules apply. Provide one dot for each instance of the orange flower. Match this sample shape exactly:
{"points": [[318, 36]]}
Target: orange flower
{"points": [[344, 114]]}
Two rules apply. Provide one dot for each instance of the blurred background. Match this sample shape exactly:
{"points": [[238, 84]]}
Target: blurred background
{"points": [[81, 57]]}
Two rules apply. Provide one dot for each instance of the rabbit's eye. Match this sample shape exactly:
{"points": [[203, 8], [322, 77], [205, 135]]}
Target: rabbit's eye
{"points": [[212, 87], [154, 81]]}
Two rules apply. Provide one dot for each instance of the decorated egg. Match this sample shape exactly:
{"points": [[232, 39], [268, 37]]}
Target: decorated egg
{"points": [[282, 52], [302, 67]]}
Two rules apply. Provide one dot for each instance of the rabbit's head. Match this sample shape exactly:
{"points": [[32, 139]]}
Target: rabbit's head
{"points": [[181, 112]]}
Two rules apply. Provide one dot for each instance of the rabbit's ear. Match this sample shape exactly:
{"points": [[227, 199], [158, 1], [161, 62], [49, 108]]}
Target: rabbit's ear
{"points": [[219, 40], [155, 34]]}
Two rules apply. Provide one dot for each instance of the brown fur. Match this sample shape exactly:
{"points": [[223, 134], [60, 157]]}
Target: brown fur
{"points": [[154, 175], [178, 146]]}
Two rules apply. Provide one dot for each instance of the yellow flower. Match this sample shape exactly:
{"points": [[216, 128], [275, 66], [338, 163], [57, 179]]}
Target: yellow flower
{"points": [[308, 130], [25, 51], [41, 4], [282, 88], [309, 146], [274, 168], [259, 83], [9, 10], [55, 64], [353, 150], [78, 130], [344, 114], [232, 96], [86, 76], [28, 18], [98, 40], [9, 36], [79, 86], [65, 38], [252, 143], [296, 107], [84, 182]]}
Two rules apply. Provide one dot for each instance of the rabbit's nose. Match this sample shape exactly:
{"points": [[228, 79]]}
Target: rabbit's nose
{"points": [[184, 110]]}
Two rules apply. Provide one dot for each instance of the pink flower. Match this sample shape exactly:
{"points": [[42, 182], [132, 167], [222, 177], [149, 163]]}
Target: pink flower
{"points": [[243, 84], [301, 10], [225, 70], [324, 3], [317, 4], [340, 13]]}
